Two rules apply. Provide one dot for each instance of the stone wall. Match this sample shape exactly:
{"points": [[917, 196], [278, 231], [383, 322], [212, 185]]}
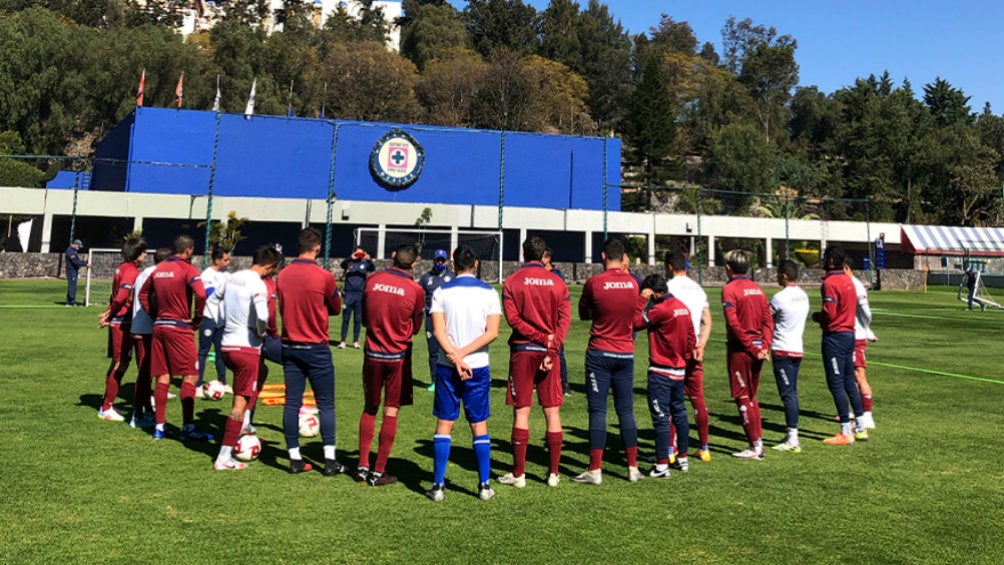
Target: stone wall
{"points": [[40, 265]]}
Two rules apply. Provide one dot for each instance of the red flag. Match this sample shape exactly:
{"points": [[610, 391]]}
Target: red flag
{"points": [[142, 87], [179, 90]]}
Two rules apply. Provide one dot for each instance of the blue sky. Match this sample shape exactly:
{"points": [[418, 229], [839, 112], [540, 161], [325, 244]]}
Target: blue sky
{"points": [[962, 41]]}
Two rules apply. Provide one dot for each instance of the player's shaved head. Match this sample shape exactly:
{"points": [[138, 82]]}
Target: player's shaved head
{"points": [[464, 259], [790, 270], [405, 257], [183, 243], [161, 254], [614, 250], [308, 240], [676, 261]]}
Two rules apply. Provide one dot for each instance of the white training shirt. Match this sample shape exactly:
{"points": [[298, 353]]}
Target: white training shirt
{"points": [[466, 302], [245, 308], [790, 308], [863, 317], [212, 280], [142, 323], [686, 290]]}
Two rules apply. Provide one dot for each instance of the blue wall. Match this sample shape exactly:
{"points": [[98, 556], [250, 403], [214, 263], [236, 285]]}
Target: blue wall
{"points": [[269, 156]]}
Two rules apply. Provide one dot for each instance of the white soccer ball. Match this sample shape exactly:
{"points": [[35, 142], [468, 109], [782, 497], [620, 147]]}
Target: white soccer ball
{"points": [[248, 448], [213, 390], [310, 426]]}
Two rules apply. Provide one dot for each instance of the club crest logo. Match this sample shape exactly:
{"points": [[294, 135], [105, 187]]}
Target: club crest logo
{"points": [[397, 160]]}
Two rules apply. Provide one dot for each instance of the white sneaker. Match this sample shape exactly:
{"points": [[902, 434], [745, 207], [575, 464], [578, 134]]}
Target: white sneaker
{"points": [[681, 464], [553, 480], [436, 493], [750, 453], [309, 411], [634, 475], [867, 421], [171, 395], [511, 480], [229, 465], [111, 415], [485, 491], [227, 389], [590, 477], [342, 346], [249, 430]]}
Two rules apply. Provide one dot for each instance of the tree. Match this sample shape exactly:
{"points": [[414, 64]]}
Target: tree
{"points": [[606, 60], [770, 73], [15, 172], [495, 24], [432, 31], [226, 234], [449, 86], [558, 101], [559, 34], [503, 101], [948, 105], [740, 159], [368, 24], [650, 128], [368, 82]]}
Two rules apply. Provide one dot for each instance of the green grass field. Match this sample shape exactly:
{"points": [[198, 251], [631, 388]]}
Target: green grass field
{"points": [[927, 488]]}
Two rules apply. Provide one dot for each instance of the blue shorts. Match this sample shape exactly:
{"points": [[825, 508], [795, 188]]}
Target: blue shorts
{"points": [[450, 390]]}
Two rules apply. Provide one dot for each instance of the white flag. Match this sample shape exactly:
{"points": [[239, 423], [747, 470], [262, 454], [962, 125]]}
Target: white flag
{"points": [[216, 101], [249, 110]]}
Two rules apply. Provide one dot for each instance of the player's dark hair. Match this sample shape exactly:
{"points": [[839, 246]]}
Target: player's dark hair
{"points": [[833, 257], [534, 248], [133, 248], [308, 239], [655, 282], [161, 254], [183, 243], [789, 269], [614, 249], [676, 260], [266, 256], [738, 261], [464, 258], [849, 263], [548, 252], [218, 252], [405, 256]]}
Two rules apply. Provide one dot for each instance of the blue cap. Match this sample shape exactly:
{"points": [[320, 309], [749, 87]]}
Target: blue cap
{"points": [[440, 254]]}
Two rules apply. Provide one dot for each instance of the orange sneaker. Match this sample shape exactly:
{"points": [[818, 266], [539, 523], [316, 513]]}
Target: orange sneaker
{"points": [[839, 439]]}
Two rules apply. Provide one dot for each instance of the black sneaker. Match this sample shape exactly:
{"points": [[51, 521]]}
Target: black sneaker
{"points": [[362, 473], [381, 479], [436, 493], [299, 466], [332, 468]]}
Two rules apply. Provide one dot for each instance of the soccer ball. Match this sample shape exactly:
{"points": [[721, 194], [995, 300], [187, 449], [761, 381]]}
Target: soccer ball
{"points": [[310, 426], [213, 390], [248, 448]]}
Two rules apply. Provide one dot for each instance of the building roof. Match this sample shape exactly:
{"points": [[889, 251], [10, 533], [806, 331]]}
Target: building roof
{"points": [[946, 240]]}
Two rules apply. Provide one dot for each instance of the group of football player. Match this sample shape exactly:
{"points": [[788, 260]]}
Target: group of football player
{"points": [[156, 314]]}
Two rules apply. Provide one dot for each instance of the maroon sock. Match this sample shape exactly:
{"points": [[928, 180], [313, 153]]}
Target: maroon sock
{"points": [[160, 395], [388, 431], [632, 455], [187, 402], [554, 442], [520, 437], [672, 435], [746, 417], [595, 459], [757, 420], [141, 394], [367, 424], [232, 431], [112, 381], [701, 418], [866, 402]]}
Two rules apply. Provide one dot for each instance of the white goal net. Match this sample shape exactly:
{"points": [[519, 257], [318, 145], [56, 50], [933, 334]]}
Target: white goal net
{"points": [[382, 242], [99, 277]]}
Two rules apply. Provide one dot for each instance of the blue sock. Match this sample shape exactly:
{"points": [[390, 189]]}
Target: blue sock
{"points": [[483, 452], [441, 455]]}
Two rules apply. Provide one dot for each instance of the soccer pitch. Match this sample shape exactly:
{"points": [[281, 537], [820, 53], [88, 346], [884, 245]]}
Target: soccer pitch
{"points": [[928, 487]]}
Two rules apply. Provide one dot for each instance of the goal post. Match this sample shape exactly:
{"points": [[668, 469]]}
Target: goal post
{"points": [[98, 288], [381, 242]]}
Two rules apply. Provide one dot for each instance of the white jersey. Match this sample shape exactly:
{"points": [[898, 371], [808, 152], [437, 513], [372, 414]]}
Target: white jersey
{"points": [[212, 280], [790, 308], [142, 323], [245, 308], [686, 290], [466, 302], [863, 317]]}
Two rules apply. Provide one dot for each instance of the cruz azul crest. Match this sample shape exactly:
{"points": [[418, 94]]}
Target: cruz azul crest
{"points": [[397, 160]]}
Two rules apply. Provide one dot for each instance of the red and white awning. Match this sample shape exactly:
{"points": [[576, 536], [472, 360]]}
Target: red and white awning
{"points": [[944, 240]]}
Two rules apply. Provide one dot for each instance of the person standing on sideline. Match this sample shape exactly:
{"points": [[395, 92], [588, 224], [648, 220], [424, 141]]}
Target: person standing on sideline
{"points": [[73, 264], [836, 318], [245, 308], [686, 290], [355, 269], [671, 342], [749, 332], [862, 335], [538, 308], [790, 309], [970, 286], [142, 336], [168, 295], [440, 274], [546, 260], [118, 319], [211, 330], [466, 314], [308, 294], [393, 304], [610, 301]]}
